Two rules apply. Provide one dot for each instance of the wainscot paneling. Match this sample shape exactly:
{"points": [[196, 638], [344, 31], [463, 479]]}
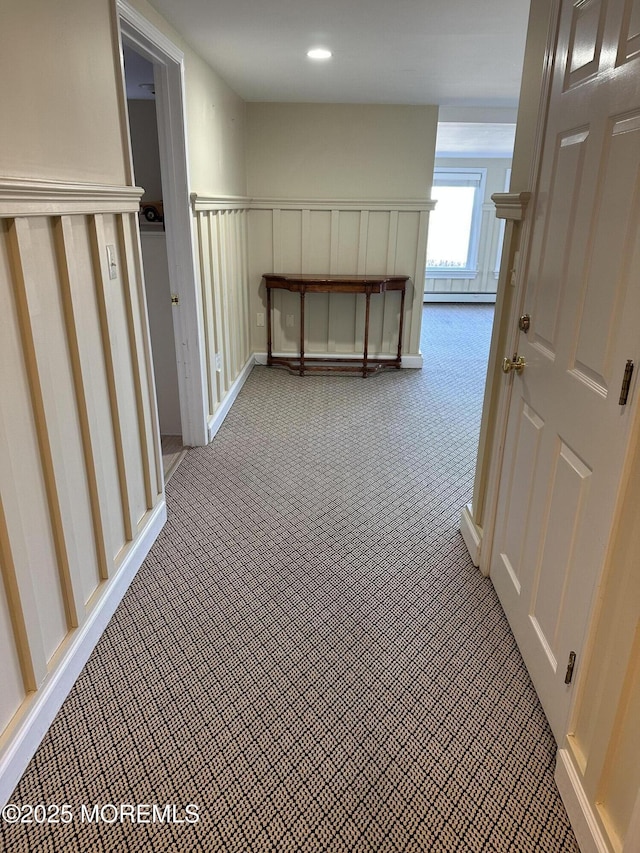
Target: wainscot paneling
{"points": [[338, 236], [80, 472], [221, 229]]}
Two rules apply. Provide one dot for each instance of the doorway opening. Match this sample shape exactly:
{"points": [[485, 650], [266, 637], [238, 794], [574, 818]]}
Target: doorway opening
{"points": [[473, 161], [153, 104], [145, 155]]}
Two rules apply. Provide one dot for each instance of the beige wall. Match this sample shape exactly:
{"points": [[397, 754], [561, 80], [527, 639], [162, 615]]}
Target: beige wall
{"points": [[59, 107], [143, 126], [339, 151], [216, 131], [61, 115], [215, 117]]}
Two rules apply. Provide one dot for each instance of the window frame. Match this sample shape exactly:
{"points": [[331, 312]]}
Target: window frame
{"points": [[475, 176]]}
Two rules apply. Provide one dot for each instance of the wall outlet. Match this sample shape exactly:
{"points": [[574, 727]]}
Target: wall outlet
{"points": [[218, 362], [260, 319], [289, 321]]}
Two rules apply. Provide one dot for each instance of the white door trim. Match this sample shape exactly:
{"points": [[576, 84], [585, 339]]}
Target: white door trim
{"points": [[505, 328], [584, 821], [168, 61]]}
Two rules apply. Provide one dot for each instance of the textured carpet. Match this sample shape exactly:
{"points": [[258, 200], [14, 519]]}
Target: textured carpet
{"points": [[307, 660]]}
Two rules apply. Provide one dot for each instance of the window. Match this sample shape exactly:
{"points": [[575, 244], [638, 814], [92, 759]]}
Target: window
{"points": [[454, 225]]}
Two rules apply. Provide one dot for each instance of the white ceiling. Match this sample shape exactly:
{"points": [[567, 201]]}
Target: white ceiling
{"points": [[445, 52], [138, 73]]}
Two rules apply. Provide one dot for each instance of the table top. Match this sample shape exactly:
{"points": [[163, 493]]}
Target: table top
{"points": [[350, 283]]}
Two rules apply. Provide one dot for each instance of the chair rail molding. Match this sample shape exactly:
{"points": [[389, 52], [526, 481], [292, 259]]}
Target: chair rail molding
{"points": [[201, 202], [24, 197], [511, 205], [409, 205]]}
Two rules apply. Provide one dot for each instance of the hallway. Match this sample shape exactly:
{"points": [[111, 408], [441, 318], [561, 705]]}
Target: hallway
{"points": [[307, 655]]}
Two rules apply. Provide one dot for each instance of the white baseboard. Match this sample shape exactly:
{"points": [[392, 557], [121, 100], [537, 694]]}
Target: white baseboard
{"points": [[411, 361], [460, 297], [471, 533], [583, 820], [28, 732], [215, 421]]}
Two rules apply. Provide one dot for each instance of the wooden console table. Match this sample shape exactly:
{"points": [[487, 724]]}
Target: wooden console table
{"points": [[304, 284]]}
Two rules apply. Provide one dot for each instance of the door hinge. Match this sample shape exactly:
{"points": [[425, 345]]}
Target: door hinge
{"points": [[626, 382], [570, 666]]}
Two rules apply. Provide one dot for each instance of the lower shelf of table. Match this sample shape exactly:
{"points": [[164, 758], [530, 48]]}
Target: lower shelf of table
{"points": [[334, 364]]}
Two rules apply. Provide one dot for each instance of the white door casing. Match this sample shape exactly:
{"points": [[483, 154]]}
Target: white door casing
{"points": [[168, 62], [566, 432]]}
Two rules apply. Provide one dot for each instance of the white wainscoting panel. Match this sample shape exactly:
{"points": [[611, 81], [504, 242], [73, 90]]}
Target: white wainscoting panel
{"points": [[80, 473], [341, 236], [221, 228]]}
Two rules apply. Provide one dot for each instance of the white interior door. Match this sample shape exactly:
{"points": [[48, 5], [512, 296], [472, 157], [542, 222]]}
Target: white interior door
{"points": [[567, 433]]}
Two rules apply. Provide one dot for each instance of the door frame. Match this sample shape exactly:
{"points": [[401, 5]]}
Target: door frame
{"points": [[168, 63], [517, 208]]}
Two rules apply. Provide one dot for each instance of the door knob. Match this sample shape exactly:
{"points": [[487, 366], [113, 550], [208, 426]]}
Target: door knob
{"points": [[516, 363]]}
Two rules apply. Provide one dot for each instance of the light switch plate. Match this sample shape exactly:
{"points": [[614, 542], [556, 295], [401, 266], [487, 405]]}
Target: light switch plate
{"points": [[112, 263]]}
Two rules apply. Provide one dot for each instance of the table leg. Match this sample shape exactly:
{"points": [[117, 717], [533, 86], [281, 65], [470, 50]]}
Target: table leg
{"points": [[400, 327], [366, 333], [269, 352], [301, 331]]}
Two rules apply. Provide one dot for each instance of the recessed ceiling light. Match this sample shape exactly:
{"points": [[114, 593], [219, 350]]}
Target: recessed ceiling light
{"points": [[319, 53]]}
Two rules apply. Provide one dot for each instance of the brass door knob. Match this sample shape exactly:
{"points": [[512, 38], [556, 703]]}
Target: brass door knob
{"points": [[516, 363]]}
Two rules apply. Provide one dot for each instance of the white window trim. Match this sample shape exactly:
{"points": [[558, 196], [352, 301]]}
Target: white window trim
{"points": [[470, 176]]}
